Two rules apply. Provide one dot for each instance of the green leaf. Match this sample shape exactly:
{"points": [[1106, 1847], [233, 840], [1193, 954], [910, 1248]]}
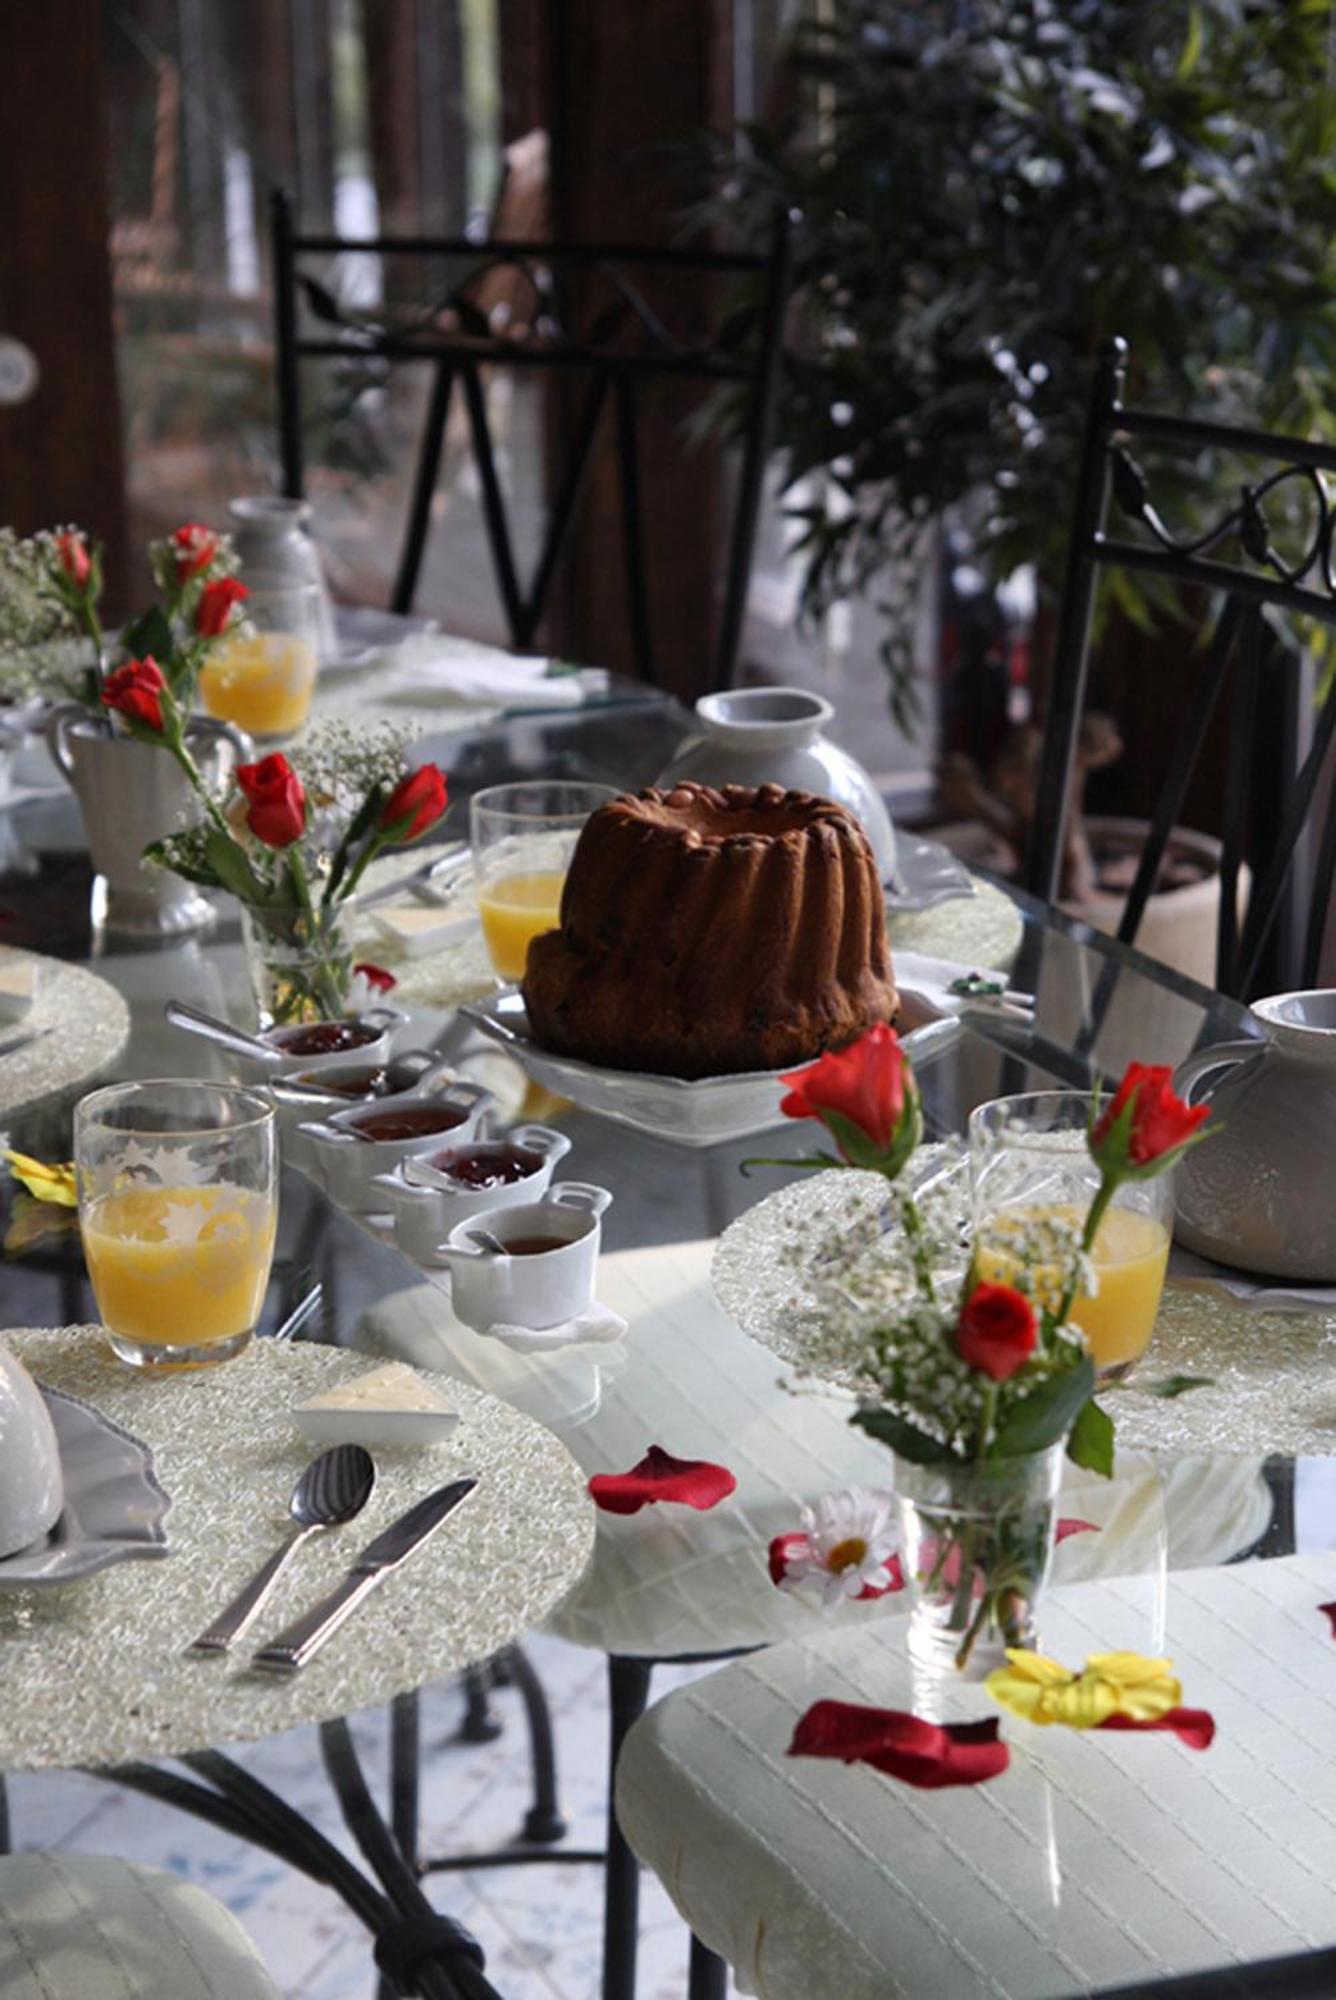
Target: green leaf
{"points": [[361, 823], [150, 634], [233, 870], [902, 1437], [1090, 1444], [1192, 47], [1170, 1386], [1041, 1419]]}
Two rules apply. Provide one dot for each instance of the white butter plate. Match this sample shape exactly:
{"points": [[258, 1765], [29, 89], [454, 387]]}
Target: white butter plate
{"points": [[342, 1416]]}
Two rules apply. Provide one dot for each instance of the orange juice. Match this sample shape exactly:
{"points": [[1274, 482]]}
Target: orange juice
{"points": [[1130, 1257], [262, 681], [174, 1266], [515, 909]]}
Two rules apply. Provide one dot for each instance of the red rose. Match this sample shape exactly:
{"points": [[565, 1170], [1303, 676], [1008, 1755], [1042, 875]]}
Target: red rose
{"points": [[135, 691], [218, 600], [277, 800], [416, 803], [375, 975], [996, 1331], [866, 1098], [1145, 1125], [194, 548], [74, 559]]}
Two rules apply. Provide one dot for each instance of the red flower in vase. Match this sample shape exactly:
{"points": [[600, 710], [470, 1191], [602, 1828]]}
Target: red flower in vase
{"points": [[218, 600], [136, 691], [276, 799], [193, 549], [416, 803], [866, 1098], [75, 562], [996, 1331], [1145, 1124]]}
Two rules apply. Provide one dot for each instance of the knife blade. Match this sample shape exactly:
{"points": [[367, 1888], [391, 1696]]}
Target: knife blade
{"points": [[301, 1640]]}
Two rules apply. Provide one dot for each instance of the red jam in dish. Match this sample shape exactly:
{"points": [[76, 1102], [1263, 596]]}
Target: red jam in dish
{"points": [[323, 1038], [411, 1121], [487, 1166], [364, 1082]]}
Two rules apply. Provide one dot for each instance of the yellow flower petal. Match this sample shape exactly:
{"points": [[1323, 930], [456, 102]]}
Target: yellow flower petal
{"points": [[1128, 1668], [48, 1183], [1026, 1686], [1044, 1691], [1035, 1667], [1084, 1704]]}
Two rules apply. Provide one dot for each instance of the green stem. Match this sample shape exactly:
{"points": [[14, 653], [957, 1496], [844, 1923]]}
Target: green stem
{"points": [[986, 1416], [176, 743], [329, 989], [1108, 1188], [918, 1248], [359, 867], [93, 626]]}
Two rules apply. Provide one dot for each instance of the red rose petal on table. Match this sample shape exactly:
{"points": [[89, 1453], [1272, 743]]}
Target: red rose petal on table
{"points": [[1193, 1726], [780, 1552], [1329, 1612], [691, 1482], [1075, 1527], [929, 1755], [896, 1572]]}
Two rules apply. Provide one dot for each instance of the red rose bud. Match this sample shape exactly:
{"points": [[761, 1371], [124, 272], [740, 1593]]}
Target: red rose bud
{"points": [[1145, 1127], [194, 548], [276, 798], [867, 1099], [75, 561], [996, 1331], [416, 803], [135, 691], [218, 600]]}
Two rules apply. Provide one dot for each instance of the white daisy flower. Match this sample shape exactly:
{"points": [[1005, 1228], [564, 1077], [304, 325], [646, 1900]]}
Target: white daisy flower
{"points": [[846, 1546]]}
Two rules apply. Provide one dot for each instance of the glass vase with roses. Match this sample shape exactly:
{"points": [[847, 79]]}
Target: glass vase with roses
{"points": [[978, 1389], [291, 844]]}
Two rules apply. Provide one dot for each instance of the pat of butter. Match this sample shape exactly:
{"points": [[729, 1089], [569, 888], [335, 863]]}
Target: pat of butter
{"points": [[18, 984], [393, 1387], [419, 928]]}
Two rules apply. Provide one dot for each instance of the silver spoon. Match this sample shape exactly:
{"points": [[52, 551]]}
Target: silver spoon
{"points": [[196, 1022], [333, 1489], [486, 1241]]}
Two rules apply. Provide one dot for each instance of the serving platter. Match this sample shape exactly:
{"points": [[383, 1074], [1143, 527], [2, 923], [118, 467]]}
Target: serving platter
{"points": [[114, 1506]]}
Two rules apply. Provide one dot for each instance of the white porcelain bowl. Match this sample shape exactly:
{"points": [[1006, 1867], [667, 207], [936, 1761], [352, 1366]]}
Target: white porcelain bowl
{"points": [[381, 1021], [426, 1202], [315, 1102], [543, 1289], [32, 1490], [350, 1165]]}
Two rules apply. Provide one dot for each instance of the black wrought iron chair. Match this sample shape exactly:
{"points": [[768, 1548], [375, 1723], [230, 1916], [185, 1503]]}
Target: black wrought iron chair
{"points": [[1271, 779], [621, 351]]}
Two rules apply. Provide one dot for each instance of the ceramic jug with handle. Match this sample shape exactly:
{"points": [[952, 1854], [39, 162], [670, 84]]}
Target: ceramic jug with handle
{"points": [[1260, 1192], [277, 551]]}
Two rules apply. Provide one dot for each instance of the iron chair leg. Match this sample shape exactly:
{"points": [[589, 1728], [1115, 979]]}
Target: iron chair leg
{"points": [[543, 1823], [628, 1693], [481, 1723], [708, 1977]]}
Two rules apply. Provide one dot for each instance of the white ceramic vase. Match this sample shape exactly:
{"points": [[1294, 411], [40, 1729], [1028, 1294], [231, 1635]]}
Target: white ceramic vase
{"points": [[32, 1490], [772, 736], [131, 794], [277, 552]]}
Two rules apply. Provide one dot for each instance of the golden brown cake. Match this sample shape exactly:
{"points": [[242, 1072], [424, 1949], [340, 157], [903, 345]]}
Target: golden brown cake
{"points": [[709, 931]]}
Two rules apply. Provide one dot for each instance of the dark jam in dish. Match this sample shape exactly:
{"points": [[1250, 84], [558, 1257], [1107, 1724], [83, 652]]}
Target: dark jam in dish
{"points": [[412, 1121], [364, 1082], [534, 1246], [324, 1038], [488, 1166]]}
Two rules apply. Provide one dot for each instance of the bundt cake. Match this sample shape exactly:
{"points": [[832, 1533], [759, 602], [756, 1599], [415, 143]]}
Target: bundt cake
{"points": [[705, 932]]}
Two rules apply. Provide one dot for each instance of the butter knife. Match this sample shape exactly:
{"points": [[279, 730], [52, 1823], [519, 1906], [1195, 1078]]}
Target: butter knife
{"points": [[306, 1635]]}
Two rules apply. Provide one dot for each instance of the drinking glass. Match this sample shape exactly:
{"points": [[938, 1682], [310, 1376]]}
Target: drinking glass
{"points": [[1029, 1161], [178, 1206], [523, 838], [261, 674]]}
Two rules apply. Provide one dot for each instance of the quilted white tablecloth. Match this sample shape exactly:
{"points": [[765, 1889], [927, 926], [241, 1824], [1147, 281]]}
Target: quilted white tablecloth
{"points": [[668, 1581], [1095, 1860]]}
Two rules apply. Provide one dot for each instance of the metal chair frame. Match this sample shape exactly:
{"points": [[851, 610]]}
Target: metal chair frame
{"points": [[626, 347], [1244, 640]]}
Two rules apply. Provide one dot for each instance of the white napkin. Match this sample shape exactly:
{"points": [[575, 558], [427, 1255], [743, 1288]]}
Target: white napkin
{"points": [[433, 666], [596, 1325], [929, 979], [1282, 1295]]}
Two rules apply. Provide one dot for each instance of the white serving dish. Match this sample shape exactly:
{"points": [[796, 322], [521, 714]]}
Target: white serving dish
{"points": [[702, 1111], [537, 1291], [418, 929], [388, 1406], [385, 1020], [426, 1203], [32, 1489], [349, 1167], [295, 1109]]}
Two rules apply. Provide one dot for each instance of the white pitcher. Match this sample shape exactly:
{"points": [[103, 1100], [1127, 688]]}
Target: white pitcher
{"points": [[276, 551]]}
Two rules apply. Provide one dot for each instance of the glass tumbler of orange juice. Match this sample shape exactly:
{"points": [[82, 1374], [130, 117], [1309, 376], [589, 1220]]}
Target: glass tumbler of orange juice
{"points": [[523, 838], [261, 673], [1029, 1163], [178, 1206]]}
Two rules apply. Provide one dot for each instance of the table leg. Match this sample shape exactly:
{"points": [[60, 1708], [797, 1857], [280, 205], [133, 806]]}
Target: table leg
{"points": [[708, 1977], [628, 1692], [5, 1837], [543, 1823]]}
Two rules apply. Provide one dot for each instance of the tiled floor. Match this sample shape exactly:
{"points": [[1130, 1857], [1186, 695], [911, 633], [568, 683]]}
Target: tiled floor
{"points": [[540, 1926]]}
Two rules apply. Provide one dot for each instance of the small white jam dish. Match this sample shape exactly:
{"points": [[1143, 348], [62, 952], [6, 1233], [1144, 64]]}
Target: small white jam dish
{"points": [[427, 1194], [546, 1269], [301, 1096], [18, 984], [352, 1151], [389, 1406], [310, 1046], [32, 1488]]}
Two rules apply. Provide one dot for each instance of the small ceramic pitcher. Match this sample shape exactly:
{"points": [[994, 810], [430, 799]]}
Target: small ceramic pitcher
{"points": [[533, 1289], [426, 1202], [32, 1491], [1258, 1192], [277, 551], [772, 736]]}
